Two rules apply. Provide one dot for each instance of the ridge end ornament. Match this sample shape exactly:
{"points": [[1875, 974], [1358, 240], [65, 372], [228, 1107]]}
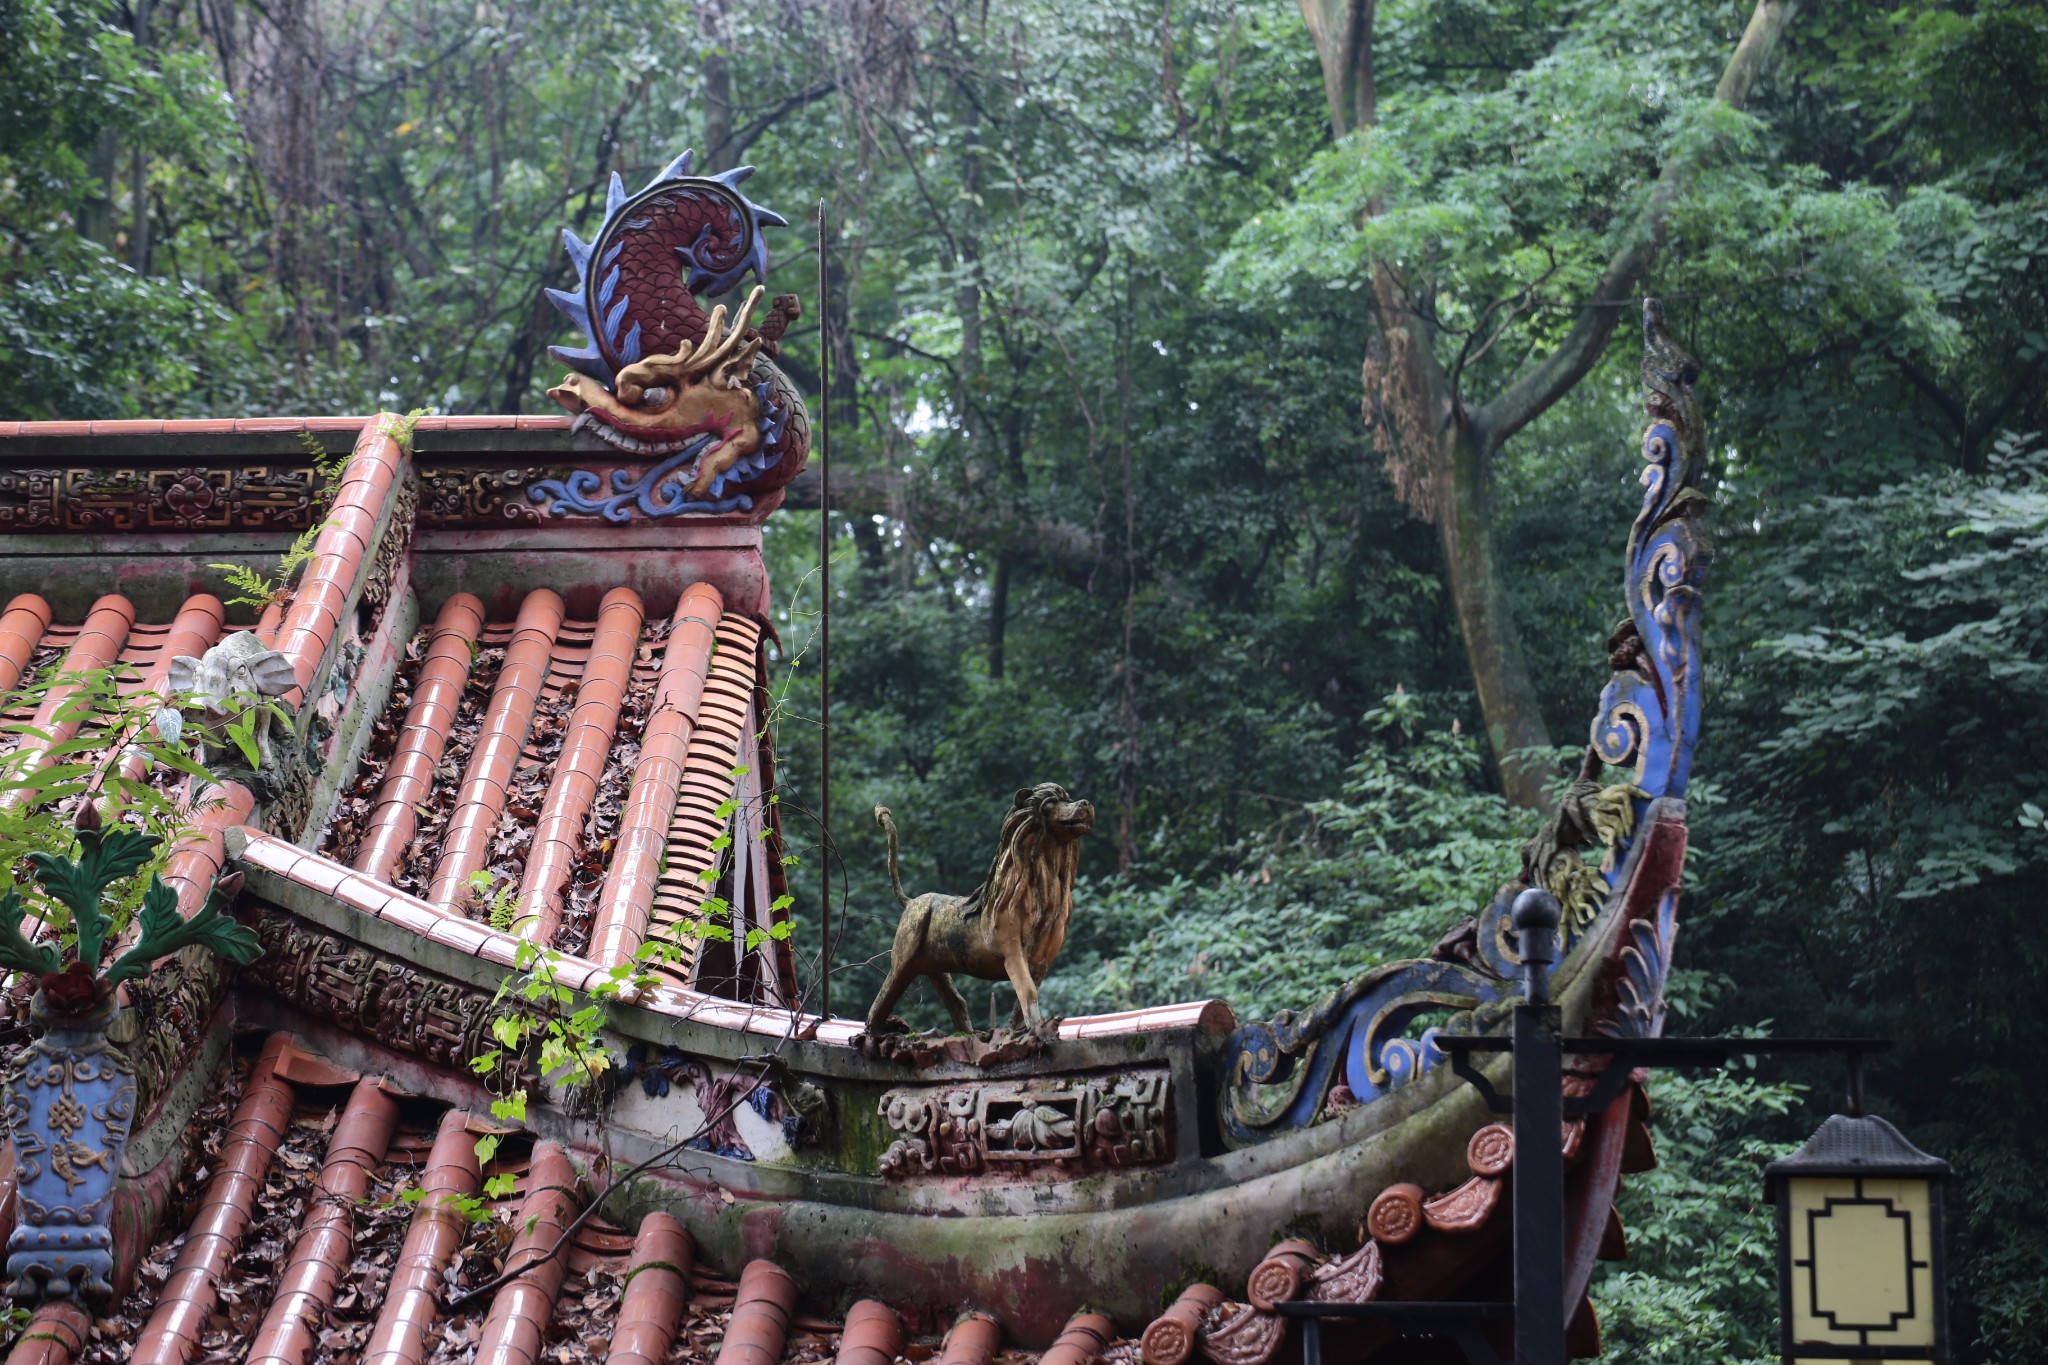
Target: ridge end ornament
{"points": [[661, 379]]}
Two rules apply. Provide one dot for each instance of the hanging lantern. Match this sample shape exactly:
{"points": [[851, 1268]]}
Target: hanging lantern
{"points": [[1860, 1274]]}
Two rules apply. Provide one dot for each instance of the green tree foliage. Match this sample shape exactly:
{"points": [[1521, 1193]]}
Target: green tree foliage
{"points": [[1102, 277], [1411, 846]]}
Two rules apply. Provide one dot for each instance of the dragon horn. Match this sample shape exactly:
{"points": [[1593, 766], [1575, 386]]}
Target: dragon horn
{"points": [[715, 348], [696, 357]]}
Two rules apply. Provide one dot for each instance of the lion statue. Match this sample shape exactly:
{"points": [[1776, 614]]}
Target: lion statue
{"points": [[1008, 928]]}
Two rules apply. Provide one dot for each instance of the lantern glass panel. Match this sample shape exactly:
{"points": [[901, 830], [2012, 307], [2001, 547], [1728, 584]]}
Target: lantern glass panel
{"points": [[1861, 1256]]}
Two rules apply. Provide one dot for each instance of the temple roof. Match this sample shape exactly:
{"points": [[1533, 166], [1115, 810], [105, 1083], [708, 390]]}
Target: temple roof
{"points": [[522, 680], [315, 1213]]}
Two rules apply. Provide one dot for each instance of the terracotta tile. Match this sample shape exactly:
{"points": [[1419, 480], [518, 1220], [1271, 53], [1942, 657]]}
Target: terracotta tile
{"points": [[313, 1269], [318, 873], [460, 934], [408, 912], [273, 856]]}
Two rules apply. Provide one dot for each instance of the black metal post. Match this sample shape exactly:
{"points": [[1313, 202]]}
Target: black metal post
{"points": [[1539, 1140]]}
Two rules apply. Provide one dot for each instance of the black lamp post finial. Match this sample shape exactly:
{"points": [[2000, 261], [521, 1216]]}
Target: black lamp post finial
{"points": [[1536, 915]]}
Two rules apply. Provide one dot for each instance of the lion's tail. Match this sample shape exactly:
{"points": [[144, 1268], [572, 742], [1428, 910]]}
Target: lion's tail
{"points": [[888, 823]]}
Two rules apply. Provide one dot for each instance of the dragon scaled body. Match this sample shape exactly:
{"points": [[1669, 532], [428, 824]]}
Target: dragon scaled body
{"points": [[657, 374]]}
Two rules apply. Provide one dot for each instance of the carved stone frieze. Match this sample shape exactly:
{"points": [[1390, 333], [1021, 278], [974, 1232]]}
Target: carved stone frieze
{"points": [[383, 576], [191, 498], [1100, 1122], [442, 1022], [479, 497], [172, 1008]]}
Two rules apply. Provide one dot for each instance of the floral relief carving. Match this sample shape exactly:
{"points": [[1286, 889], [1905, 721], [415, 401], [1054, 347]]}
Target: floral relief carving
{"points": [[188, 498], [1093, 1122]]}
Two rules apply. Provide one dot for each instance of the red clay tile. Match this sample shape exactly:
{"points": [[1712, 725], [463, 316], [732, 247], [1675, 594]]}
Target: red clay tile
{"points": [[761, 1312], [288, 1335], [1465, 1208], [410, 776], [873, 1335], [1280, 1276], [1174, 1334], [412, 1298], [214, 1235], [1396, 1215], [621, 922], [466, 839], [54, 1335], [197, 860], [657, 1289], [414, 915], [1212, 1017], [21, 627], [315, 872], [974, 1340], [513, 1332], [1491, 1150], [460, 934], [1086, 1337], [301, 1067], [585, 744], [97, 646], [268, 625]]}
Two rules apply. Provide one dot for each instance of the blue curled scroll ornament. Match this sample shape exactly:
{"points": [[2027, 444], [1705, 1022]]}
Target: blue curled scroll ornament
{"points": [[1649, 715], [1353, 1048], [657, 491]]}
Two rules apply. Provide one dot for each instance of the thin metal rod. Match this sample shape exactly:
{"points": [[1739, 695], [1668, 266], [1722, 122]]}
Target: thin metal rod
{"points": [[824, 628]]}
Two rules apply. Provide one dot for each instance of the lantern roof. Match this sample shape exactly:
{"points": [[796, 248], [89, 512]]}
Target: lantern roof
{"points": [[1862, 1145]]}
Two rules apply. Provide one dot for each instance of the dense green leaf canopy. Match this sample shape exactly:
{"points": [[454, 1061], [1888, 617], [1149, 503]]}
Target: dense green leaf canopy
{"points": [[1102, 282]]}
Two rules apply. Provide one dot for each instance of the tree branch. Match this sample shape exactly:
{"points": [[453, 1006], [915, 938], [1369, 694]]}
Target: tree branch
{"points": [[1532, 393], [1056, 549]]}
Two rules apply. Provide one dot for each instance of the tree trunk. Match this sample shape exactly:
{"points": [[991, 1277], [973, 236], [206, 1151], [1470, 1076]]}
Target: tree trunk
{"points": [[998, 614], [138, 172], [1486, 622], [1441, 453], [96, 215]]}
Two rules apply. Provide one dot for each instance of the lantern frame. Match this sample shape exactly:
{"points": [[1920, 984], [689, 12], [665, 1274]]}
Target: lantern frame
{"points": [[1862, 1147]]}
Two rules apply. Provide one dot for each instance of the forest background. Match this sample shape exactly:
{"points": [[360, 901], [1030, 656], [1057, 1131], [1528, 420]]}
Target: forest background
{"points": [[1236, 421]]}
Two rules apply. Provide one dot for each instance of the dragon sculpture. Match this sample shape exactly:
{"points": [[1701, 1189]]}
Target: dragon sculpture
{"points": [[658, 376]]}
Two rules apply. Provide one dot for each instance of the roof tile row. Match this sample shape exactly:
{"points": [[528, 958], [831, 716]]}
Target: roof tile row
{"points": [[371, 1151], [1202, 1320]]}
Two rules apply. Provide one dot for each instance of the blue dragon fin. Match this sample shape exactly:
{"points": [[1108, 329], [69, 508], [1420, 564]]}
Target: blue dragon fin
{"points": [[579, 252], [675, 170]]}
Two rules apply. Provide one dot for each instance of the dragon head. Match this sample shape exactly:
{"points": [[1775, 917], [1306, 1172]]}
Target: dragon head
{"points": [[701, 395], [658, 376]]}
